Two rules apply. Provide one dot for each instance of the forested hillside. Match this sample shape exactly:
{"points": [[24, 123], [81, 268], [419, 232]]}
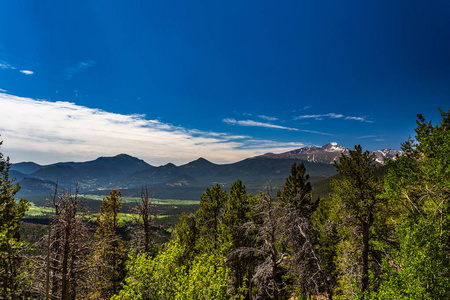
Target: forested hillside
{"points": [[383, 232]]}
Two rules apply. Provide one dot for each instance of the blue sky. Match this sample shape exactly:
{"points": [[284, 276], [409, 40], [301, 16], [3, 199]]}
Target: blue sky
{"points": [[175, 80]]}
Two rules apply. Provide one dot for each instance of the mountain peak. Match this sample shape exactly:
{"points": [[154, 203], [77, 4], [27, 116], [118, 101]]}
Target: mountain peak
{"points": [[121, 156], [169, 165], [333, 146], [201, 160]]}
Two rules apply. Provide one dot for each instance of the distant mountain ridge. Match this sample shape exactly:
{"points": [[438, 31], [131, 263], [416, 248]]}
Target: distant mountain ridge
{"points": [[130, 173], [329, 153]]}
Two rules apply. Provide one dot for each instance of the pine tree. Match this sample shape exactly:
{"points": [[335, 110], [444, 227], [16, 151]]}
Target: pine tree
{"points": [[305, 270], [110, 250], [241, 262], [209, 215], [418, 186], [11, 212], [361, 213], [297, 189]]}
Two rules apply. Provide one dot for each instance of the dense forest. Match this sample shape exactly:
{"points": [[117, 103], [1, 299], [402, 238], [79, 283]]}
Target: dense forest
{"points": [[382, 233]]}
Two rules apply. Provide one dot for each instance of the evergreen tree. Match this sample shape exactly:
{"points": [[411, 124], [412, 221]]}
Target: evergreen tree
{"points": [[297, 189], [418, 186], [110, 250], [241, 262], [361, 214], [186, 235], [304, 263], [209, 216], [11, 212]]}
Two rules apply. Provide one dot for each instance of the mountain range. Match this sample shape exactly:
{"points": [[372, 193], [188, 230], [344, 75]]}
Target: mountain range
{"points": [[187, 181]]}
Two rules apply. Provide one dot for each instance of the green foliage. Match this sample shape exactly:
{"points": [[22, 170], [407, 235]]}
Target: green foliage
{"points": [[11, 212], [237, 205], [110, 249], [186, 235], [418, 185], [421, 268], [212, 204], [297, 189], [326, 238], [107, 220], [237, 213], [360, 214], [162, 277]]}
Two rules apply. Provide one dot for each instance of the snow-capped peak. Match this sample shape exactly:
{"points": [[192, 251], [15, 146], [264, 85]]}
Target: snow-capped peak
{"points": [[333, 146]]}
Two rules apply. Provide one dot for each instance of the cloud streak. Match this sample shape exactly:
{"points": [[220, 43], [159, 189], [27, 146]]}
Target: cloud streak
{"points": [[27, 72], [252, 123], [47, 132], [6, 66], [320, 117], [267, 118], [366, 137], [80, 67]]}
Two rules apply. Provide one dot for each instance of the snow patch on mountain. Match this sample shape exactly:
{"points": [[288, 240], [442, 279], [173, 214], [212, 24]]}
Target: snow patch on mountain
{"points": [[329, 153]]}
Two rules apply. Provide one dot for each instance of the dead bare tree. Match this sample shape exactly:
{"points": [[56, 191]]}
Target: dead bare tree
{"points": [[269, 272], [304, 263], [288, 260], [63, 251], [143, 221]]}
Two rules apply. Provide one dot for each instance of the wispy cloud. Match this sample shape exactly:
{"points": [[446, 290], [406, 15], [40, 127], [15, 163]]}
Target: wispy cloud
{"points": [[7, 66], [80, 67], [46, 132], [332, 116], [320, 117], [252, 123], [366, 137], [268, 118], [362, 119], [256, 124], [27, 72], [4, 65]]}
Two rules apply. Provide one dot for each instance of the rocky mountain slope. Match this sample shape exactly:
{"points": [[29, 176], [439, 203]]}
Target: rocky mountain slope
{"points": [[328, 154]]}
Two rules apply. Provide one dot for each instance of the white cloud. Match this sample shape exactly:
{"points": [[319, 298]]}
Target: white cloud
{"points": [[27, 72], [268, 118], [4, 65], [81, 66], [46, 132], [256, 124], [366, 136], [320, 117], [2, 90], [268, 125], [362, 119]]}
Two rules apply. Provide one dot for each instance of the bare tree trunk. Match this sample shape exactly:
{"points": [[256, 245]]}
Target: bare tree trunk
{"points": [[65, 268], [316, 259], [47, 271]]}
